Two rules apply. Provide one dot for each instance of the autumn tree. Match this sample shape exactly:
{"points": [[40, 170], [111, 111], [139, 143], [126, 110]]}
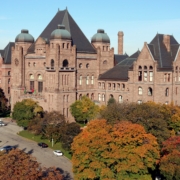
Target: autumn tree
{"points": [[121, 151], [19, 165], [150, 115], [3, 104], [84, 109], [25, 111], [170, 161]]}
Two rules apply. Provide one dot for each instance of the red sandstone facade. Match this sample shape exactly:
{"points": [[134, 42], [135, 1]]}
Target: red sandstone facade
{"points": [[57, 71]]}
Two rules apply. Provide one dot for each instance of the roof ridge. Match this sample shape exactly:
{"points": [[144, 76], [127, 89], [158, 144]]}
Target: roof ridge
{"points": [[160, 58]]}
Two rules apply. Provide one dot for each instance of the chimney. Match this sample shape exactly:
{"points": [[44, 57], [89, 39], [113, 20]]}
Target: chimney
{"points": [[166, 41], [120, 42]]}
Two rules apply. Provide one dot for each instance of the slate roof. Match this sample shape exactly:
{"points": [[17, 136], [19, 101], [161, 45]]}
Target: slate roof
{"points": [[160, 53], [118, 58], [120, 71], [6, 53], [78, 37]]}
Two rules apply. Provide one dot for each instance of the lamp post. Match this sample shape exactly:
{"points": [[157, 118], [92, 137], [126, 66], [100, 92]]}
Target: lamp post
{"points": [[52, 142]]}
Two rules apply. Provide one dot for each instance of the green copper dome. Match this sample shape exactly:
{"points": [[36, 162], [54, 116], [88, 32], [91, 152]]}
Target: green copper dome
{"points": [[100, 36], [24, 36], [61, 33]]}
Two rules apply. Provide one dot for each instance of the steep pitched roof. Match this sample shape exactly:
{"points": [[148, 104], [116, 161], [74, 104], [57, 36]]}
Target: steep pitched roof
{"points": [[118, 58], [120, 71], [6, 53], [78, 37], [160, 53]]}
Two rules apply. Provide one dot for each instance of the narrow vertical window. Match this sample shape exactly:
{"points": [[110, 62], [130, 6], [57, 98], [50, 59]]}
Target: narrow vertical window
{"points": [[145, 75], [92, 79], [167, 92], [99, 97], [151, 76], [150, 91], [120, 99], [40, 83], [140, 91], [87, 79], [80, 80], [103, 97]]}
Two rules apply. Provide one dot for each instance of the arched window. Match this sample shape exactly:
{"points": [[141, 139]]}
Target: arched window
{"points": [[99, 97], [123, 87], [44, 64], [52, 63], [114, 86], [87, 94], [87, 65], [92, 96], [140, 92], [65, 63], [105, 62], [150, 91], [103, 85], [29, 64], [109, 86], [103, 97], [145, 67], [40, 83], [9, 73], [140, 67], [31, 76], [118, 86], [9, 81], [92, 79], [87, 79], [111, 96], [99, 85], [120, 99], [167, 92], [80, 65], [150, 67], [80, 96], [34, 64], [80, 80]]}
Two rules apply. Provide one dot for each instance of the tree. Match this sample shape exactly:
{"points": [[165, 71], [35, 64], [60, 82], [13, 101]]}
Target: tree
{"points": [[69, 132], [111, 101], [170, 161], [150, 115], [18, 165], [84, 109], [121, 151], [4, 109], [25, 111]]}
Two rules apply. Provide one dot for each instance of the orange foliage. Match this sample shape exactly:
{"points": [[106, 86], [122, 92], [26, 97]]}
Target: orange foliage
{"points": [[122, 151]]}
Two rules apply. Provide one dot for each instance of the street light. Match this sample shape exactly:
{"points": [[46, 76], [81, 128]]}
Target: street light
{"points": [[52, 142]]}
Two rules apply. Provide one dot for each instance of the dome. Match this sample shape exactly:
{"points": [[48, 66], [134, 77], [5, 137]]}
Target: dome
{"points": [[100, 36], [61, 33], [24, 36]]}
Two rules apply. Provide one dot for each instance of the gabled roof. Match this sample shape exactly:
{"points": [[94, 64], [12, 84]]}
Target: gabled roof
{"points": [[78, 37], [118, 58], [160, 53], [120, 71], [6, 53]]}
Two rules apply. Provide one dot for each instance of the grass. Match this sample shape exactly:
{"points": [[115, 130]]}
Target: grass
{"points": [[37, 138]]}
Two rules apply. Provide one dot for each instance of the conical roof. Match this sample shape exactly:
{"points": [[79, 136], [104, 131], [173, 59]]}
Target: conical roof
{"points": [[78, 37]]}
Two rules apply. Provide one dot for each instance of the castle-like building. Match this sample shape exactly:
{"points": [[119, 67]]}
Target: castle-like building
{"points": [[61, 66]]}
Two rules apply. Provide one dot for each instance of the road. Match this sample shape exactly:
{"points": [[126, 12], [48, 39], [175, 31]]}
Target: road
{"points": [[45, 156]]}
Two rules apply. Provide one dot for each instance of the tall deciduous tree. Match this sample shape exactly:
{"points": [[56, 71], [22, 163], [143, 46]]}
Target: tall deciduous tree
{"points": [[170, 161], [123, 151], [84, 109], [26, 110], [18, 165], [3, 104]]}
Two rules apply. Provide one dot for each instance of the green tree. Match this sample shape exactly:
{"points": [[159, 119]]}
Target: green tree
{"points": [[121, 151], [84, 109], [170, 161], [68, 133], [4, 109], [25, 111]]}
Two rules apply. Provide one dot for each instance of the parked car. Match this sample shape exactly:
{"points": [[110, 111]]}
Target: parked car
{"points": [[2, 123], [57, 153], [6, 148], [43, 145]]}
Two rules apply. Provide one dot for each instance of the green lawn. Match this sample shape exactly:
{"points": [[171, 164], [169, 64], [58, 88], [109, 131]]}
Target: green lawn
{"points": [[37, 138]]}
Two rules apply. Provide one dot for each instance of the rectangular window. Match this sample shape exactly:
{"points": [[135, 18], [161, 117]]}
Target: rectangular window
{"points": [[31, 85], [151, 76], [92, 79], [140, 76], [168, 78], [80, 80], [145, 75], [40, 86]]}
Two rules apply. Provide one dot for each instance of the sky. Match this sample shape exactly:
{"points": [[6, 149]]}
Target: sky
{"points": [[140, 20]]}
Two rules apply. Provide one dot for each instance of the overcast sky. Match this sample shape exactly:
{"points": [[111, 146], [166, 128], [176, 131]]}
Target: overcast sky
{"points": [[140, 20]]}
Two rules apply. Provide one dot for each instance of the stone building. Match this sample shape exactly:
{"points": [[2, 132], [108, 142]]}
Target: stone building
{"points": [[61, 66]]}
